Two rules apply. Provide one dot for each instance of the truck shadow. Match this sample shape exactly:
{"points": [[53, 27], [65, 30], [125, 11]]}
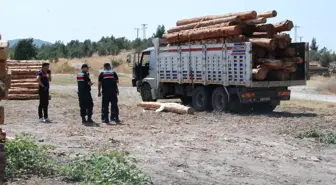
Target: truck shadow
{"points": [[280, 114]]}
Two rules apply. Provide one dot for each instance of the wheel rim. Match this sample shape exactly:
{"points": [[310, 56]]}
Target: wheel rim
{"points": [[147, 94], [219, 101], [199, 100]]}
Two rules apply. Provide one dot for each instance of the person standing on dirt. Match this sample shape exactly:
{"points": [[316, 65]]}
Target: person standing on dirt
{"points": [[43, 79], [84, 95], [108, 80]]}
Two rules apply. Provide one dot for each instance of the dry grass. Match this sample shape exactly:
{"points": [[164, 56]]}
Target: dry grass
{"points": [[309, 104], [96, 63], [323, 84], [125, 80]]}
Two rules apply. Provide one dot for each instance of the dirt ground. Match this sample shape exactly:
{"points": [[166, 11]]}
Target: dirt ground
{"points": [[205, 148]]}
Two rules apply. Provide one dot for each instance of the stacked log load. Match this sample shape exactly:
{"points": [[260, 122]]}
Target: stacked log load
{"points": [[273, 58], [23, 84]]}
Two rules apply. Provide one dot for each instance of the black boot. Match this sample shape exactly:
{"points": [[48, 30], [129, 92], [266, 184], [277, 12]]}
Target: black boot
{"points": [[84, 120], [113, 118], [117, 119], [90, 120]]}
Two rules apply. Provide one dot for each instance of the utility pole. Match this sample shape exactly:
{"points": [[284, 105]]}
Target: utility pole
{"points": [[300, 39], [137, 29], [295, 31], [144, 27]]}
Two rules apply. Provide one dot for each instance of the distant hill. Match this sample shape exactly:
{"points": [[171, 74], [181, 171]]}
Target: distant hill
{"points": [[37, 42]]}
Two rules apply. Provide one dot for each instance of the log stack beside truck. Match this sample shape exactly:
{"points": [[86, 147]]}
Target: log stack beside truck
{"points": [[230, 62]]}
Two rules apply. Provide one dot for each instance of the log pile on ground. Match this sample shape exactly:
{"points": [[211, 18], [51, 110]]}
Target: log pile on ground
{"points": [[167, 107], [271, 51], [23, 84]]}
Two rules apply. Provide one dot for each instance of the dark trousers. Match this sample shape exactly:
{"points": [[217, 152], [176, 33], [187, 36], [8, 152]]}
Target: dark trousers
{"points": [[44, 102], [85, 104], [107, 99]]}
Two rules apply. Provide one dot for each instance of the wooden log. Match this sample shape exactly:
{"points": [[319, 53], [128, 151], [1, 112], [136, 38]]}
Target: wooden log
{"points": [[28, 61], [268, 14], [22, 76], [260, 73], [200, 34], [281, 75], [29, 85], [23, 91], [286, 25], [297, 60], [169, 107], [23, 97], [269, 44], [262, 35], [4, 47], [227, 21], [10, 64], [259, 20], [290, 52], [23, 72], [290, 67], [259, 52], [269, 28], [271, 63], [243, 16], [23, 80]]}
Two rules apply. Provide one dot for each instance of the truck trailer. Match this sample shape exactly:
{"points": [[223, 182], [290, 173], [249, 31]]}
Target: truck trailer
{"points": [[214, 77]]}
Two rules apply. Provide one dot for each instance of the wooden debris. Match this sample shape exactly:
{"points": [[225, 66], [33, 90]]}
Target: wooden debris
{"points": [[169, 107]]}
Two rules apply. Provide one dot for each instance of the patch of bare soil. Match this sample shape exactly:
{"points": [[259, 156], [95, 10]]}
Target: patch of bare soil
{"points": [[205, 148]]}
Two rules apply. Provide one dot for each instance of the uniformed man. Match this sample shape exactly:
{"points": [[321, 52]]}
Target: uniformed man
{"points": [[43, 79], [108, 80], [84, 95]]}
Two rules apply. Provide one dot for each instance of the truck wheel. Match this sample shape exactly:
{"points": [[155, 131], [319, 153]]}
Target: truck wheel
{"points": [[146, 93], [263, 107], [201, 99], [219, 100], [186, 100]]}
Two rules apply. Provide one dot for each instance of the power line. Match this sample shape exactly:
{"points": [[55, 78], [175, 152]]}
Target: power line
{"points": [[137, 29], [144, 27], [295, 32]]}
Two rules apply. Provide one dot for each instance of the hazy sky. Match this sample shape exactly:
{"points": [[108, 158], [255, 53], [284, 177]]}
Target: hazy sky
{"points": [[67, 20]]}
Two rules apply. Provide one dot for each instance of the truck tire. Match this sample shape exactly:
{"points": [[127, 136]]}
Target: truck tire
{"points": [[146, 93], [219, 100], [201, 99], [263, 108]]}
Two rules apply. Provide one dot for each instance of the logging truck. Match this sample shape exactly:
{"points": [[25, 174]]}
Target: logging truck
{"points": [[214, 77]]}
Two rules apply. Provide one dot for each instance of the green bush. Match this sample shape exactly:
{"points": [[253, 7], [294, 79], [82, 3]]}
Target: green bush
{"points": [[116, 63], [25, 157], [328, 137], [105, 169]]}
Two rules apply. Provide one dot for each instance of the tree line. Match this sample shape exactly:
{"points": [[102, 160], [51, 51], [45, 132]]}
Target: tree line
{"points": [[109, 45], [25, 49], [324, 56]]}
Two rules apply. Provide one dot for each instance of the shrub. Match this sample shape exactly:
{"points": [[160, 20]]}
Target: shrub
{"points": [[105, 169], [25, 157]]}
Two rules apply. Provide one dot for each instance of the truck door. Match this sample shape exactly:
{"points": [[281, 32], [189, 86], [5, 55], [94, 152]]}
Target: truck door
{"points": [[141, 68]]}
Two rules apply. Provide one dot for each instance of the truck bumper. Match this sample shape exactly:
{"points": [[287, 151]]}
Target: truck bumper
{"points": [[264, 96]]}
